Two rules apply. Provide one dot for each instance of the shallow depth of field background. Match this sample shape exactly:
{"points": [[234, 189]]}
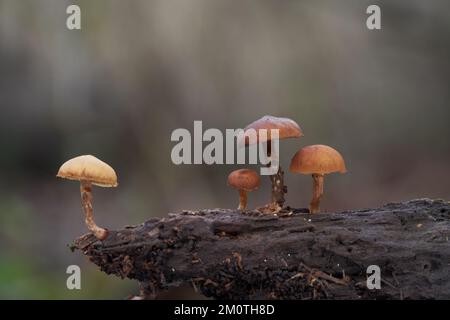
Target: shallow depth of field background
{"points": [[140, 69]]}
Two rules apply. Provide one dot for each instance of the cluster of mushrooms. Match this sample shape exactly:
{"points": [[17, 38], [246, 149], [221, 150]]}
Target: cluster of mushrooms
{"points": [[316, 160]]}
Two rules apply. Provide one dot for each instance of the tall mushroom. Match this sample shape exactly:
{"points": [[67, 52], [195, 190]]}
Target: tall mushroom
{"points": [[317, 160], [245, 180], [287, 128], [89, 171]]}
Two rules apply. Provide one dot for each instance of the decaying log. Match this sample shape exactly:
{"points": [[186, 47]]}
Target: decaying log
{"points": [[226, 254]]}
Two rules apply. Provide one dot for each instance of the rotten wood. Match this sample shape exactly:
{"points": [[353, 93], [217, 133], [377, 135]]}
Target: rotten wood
{"points": [[226, 254]]}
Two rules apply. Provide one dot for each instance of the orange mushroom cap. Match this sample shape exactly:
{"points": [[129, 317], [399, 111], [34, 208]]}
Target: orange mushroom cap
{"points": [[244, 179], [288, 128], [317, 159], [89, 168]]}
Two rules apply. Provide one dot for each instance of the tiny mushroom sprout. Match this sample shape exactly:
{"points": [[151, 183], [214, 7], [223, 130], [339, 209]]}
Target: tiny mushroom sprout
{"points": [[89, 171], [317, 160], [245, 180], [287, 128]]}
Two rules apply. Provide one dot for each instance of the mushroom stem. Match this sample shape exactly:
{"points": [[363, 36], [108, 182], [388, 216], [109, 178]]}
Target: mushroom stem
{"points": [[278, 187], [317, 193], [242, 200], [86, 201], [277, 182]]}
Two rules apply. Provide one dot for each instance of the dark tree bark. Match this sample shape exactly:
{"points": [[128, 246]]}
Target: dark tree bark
{"points": [[293, 255]]}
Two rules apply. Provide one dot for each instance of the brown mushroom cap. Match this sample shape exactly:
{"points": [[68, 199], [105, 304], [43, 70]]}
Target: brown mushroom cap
{"points": [[244, 179], [288, 128], [89, 168], [317, 159]]}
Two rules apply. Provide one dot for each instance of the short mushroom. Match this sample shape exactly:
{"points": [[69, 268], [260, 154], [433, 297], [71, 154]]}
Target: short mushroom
{"points": [[245, 180], [287, 128], [89, 171], [317, 160]]}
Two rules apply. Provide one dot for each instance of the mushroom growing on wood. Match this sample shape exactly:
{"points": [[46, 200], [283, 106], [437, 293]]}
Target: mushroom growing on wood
{"points": [[317, 160], [245, 180], [89, 171], [287, 128]]}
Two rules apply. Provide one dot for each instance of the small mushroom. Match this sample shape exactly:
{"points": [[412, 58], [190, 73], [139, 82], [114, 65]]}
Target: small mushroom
{"points": [[317, 160], [245, 180], [89, 171], [287, 128]]}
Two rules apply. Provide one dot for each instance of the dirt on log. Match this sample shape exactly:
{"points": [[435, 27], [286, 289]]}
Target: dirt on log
{"points": [[225, 254]]}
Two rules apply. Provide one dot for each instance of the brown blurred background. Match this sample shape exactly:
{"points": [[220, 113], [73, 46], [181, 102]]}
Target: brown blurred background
{"points": [[140, 69]]}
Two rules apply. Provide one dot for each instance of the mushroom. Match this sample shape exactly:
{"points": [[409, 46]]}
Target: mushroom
{"points": [[89, 171], [317, 160], [287, 128], [245, 180]]}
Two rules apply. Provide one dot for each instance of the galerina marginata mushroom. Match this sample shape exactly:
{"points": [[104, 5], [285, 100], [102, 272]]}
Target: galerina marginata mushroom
{"points": [[245, 180], [89, 171], [287, 128], [317, 160]]}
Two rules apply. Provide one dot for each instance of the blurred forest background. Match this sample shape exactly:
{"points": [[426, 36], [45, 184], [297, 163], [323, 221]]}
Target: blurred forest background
{"points": [[140, 69]]}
